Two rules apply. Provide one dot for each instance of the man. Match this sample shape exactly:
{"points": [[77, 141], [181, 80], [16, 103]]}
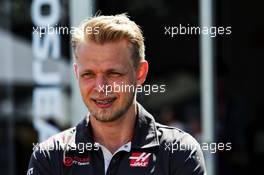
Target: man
{"points": [[118, 136]]}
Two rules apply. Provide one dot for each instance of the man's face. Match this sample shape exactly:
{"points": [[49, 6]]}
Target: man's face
{"points": [[100, 68]]}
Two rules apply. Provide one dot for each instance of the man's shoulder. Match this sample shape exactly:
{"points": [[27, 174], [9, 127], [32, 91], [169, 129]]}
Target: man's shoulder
{"points": [[174, 136], [182, 149], [58, 141]]}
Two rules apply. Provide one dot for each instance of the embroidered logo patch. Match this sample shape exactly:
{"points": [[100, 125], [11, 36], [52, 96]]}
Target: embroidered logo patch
{"points": [[139, 159]]}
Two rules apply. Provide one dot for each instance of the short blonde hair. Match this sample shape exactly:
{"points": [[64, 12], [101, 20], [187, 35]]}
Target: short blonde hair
{"points": [[111, 29]]}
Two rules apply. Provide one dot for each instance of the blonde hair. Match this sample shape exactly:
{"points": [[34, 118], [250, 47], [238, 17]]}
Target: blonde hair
{"points": [[110, 29]]}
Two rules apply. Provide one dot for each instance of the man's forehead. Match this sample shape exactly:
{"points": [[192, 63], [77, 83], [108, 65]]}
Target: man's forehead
{"points": [[110, 55], [115, 45], [100, 66]]}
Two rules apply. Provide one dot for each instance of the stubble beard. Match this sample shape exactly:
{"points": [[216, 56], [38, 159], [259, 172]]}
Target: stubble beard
{"points": [[110, 115]]}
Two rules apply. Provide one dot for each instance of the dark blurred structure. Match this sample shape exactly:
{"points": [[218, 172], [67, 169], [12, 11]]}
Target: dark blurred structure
{"points": [[173, 62]]}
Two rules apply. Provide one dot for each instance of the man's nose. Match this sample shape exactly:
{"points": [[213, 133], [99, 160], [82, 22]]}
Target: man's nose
{"points": [[101, 83]]}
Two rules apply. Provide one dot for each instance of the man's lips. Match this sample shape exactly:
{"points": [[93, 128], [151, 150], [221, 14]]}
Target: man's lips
{"points": [[103, 102]]}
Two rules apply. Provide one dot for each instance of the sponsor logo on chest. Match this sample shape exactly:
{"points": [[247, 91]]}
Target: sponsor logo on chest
{"points": [[69, 161], [139, 159]]}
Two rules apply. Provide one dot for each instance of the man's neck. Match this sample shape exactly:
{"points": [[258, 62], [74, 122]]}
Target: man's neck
{"points": [[117, 133]]}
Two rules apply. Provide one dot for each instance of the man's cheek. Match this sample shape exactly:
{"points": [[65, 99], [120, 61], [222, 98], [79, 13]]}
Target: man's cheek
{"points": [[85, 86]]}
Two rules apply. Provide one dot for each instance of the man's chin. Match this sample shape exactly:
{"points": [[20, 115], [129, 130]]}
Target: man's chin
{"points": [[110, 114], [104, 115], [106, 119]]}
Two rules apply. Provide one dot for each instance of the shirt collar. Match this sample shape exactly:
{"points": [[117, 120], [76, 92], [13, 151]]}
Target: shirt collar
{"points": [[145, 132]]}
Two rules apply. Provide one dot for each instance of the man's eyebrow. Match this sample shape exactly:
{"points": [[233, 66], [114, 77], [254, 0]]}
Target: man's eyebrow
{"points": [[87, 71], [106, 71], [114, 70]]}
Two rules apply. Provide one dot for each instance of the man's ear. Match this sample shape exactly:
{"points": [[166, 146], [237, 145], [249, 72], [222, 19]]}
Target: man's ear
{"points": [[142, 72], [76, 71]]}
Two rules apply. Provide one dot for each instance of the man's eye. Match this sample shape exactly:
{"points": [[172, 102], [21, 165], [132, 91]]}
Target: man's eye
{"points": [[116, 74], [87, 75]]}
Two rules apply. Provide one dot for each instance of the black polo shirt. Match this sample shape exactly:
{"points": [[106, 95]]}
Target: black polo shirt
{"points": [[155, 149]]}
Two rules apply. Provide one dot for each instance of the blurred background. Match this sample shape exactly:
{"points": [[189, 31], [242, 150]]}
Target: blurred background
{"points": [[39, 96]]}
